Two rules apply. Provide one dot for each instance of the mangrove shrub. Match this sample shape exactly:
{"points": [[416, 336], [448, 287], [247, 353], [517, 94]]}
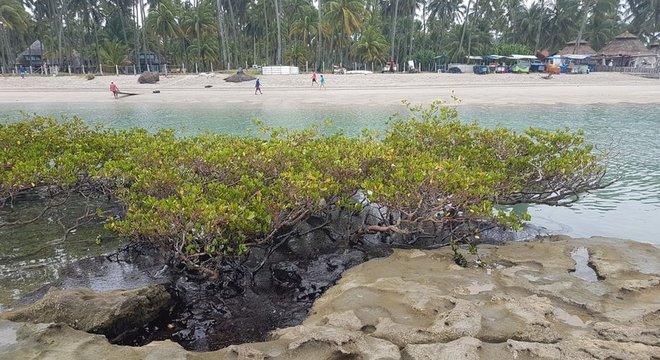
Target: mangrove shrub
{"points": [[210, 198]]}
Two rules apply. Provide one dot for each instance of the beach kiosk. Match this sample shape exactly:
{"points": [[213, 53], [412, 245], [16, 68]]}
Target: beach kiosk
{"points": [[479, 67], [494, 64], [440, 63], [522, 63]]}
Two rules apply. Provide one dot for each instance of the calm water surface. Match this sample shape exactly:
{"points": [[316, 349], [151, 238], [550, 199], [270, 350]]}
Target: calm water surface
{"points": [[629, 209]]}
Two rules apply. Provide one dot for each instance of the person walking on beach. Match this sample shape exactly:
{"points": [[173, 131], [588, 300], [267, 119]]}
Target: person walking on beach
{"points": [[114, 89], [257, 87], [322, 82], [314, 78]]}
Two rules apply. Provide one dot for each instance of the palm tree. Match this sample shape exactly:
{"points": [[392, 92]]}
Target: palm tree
{"points": [[602, 26], [204, 49], [348, 17], [162, 21], [371, 47], [446, 11], [13, 17], [113, 53], [197, 22], [304, 25], [297, 53], [644, 17]]}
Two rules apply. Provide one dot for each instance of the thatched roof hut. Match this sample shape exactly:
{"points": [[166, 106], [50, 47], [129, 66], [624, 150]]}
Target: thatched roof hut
{"points": [[583, 49], [625, 45], [32, 56]]}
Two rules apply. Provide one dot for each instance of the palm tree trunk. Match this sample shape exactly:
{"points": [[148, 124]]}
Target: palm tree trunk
{"points": [[412, 33], [123, 24], [60, 33], [538, 31], [465, 23], [318, 40], [235, 32], [394, 21], [221, 33], [144, 28], [279, 33], [424, 4], [137, 35], [266, 46], [584, 23]]}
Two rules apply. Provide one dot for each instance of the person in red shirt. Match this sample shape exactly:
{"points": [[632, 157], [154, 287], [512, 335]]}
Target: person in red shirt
{"points": [[114, 89]]}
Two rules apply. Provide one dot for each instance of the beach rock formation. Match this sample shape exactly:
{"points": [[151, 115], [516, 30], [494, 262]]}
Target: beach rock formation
{"points": [[532, 300], [149, 78], [240, 76], [112, 313]]}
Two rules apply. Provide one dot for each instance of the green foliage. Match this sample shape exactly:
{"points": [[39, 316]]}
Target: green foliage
{"points": [[425, 58], [210, 197], [507, 49]]}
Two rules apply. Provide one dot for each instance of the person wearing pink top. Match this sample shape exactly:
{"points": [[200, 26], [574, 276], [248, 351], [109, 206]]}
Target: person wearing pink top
{"points": [[114, 89]]}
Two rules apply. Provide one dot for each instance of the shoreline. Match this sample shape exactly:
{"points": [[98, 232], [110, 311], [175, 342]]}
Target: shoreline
{"points": [[343, 90]]}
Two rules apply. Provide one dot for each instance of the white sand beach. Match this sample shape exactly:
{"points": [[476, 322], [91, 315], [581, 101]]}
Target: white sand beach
{"points": [[368, 90]]}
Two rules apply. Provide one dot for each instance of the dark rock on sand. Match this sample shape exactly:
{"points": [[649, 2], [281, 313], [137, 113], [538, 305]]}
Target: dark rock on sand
{"points": [[149, 78], [240, 76]]}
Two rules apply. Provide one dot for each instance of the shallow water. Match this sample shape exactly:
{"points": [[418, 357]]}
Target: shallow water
{"points": [[628, 209], [31, 255]]}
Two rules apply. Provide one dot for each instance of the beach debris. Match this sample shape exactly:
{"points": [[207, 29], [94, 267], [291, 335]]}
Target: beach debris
{"points": [[240, 76], [148, 78], [90, 76]]}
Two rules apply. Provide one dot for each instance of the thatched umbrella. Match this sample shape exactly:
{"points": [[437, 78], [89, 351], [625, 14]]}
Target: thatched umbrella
{"points": [[582, 49], [240, 76]]}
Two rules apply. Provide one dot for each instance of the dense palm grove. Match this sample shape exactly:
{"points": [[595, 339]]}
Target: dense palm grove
{"points": [[233, 33]]}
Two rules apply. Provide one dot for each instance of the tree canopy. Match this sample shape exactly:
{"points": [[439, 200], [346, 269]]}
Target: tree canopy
{"points": [[232, 33]]}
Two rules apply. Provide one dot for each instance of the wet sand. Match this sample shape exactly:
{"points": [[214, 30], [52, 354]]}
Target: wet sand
{"points": [[363, 90]]}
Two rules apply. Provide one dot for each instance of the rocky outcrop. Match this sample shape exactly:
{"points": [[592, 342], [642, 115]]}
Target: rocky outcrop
{"points": [[527, 303], [111, 313], [148, 78]]}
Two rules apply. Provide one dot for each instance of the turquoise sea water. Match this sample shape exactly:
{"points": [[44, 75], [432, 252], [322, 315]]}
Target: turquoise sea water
{"points": [[628, 209]]}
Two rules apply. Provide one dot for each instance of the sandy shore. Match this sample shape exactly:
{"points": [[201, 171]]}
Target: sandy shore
{"points": [[373, 89]]}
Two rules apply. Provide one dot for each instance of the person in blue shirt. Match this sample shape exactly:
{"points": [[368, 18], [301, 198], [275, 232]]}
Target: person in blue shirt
{"points": [[257, 87], [22, 72]]}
